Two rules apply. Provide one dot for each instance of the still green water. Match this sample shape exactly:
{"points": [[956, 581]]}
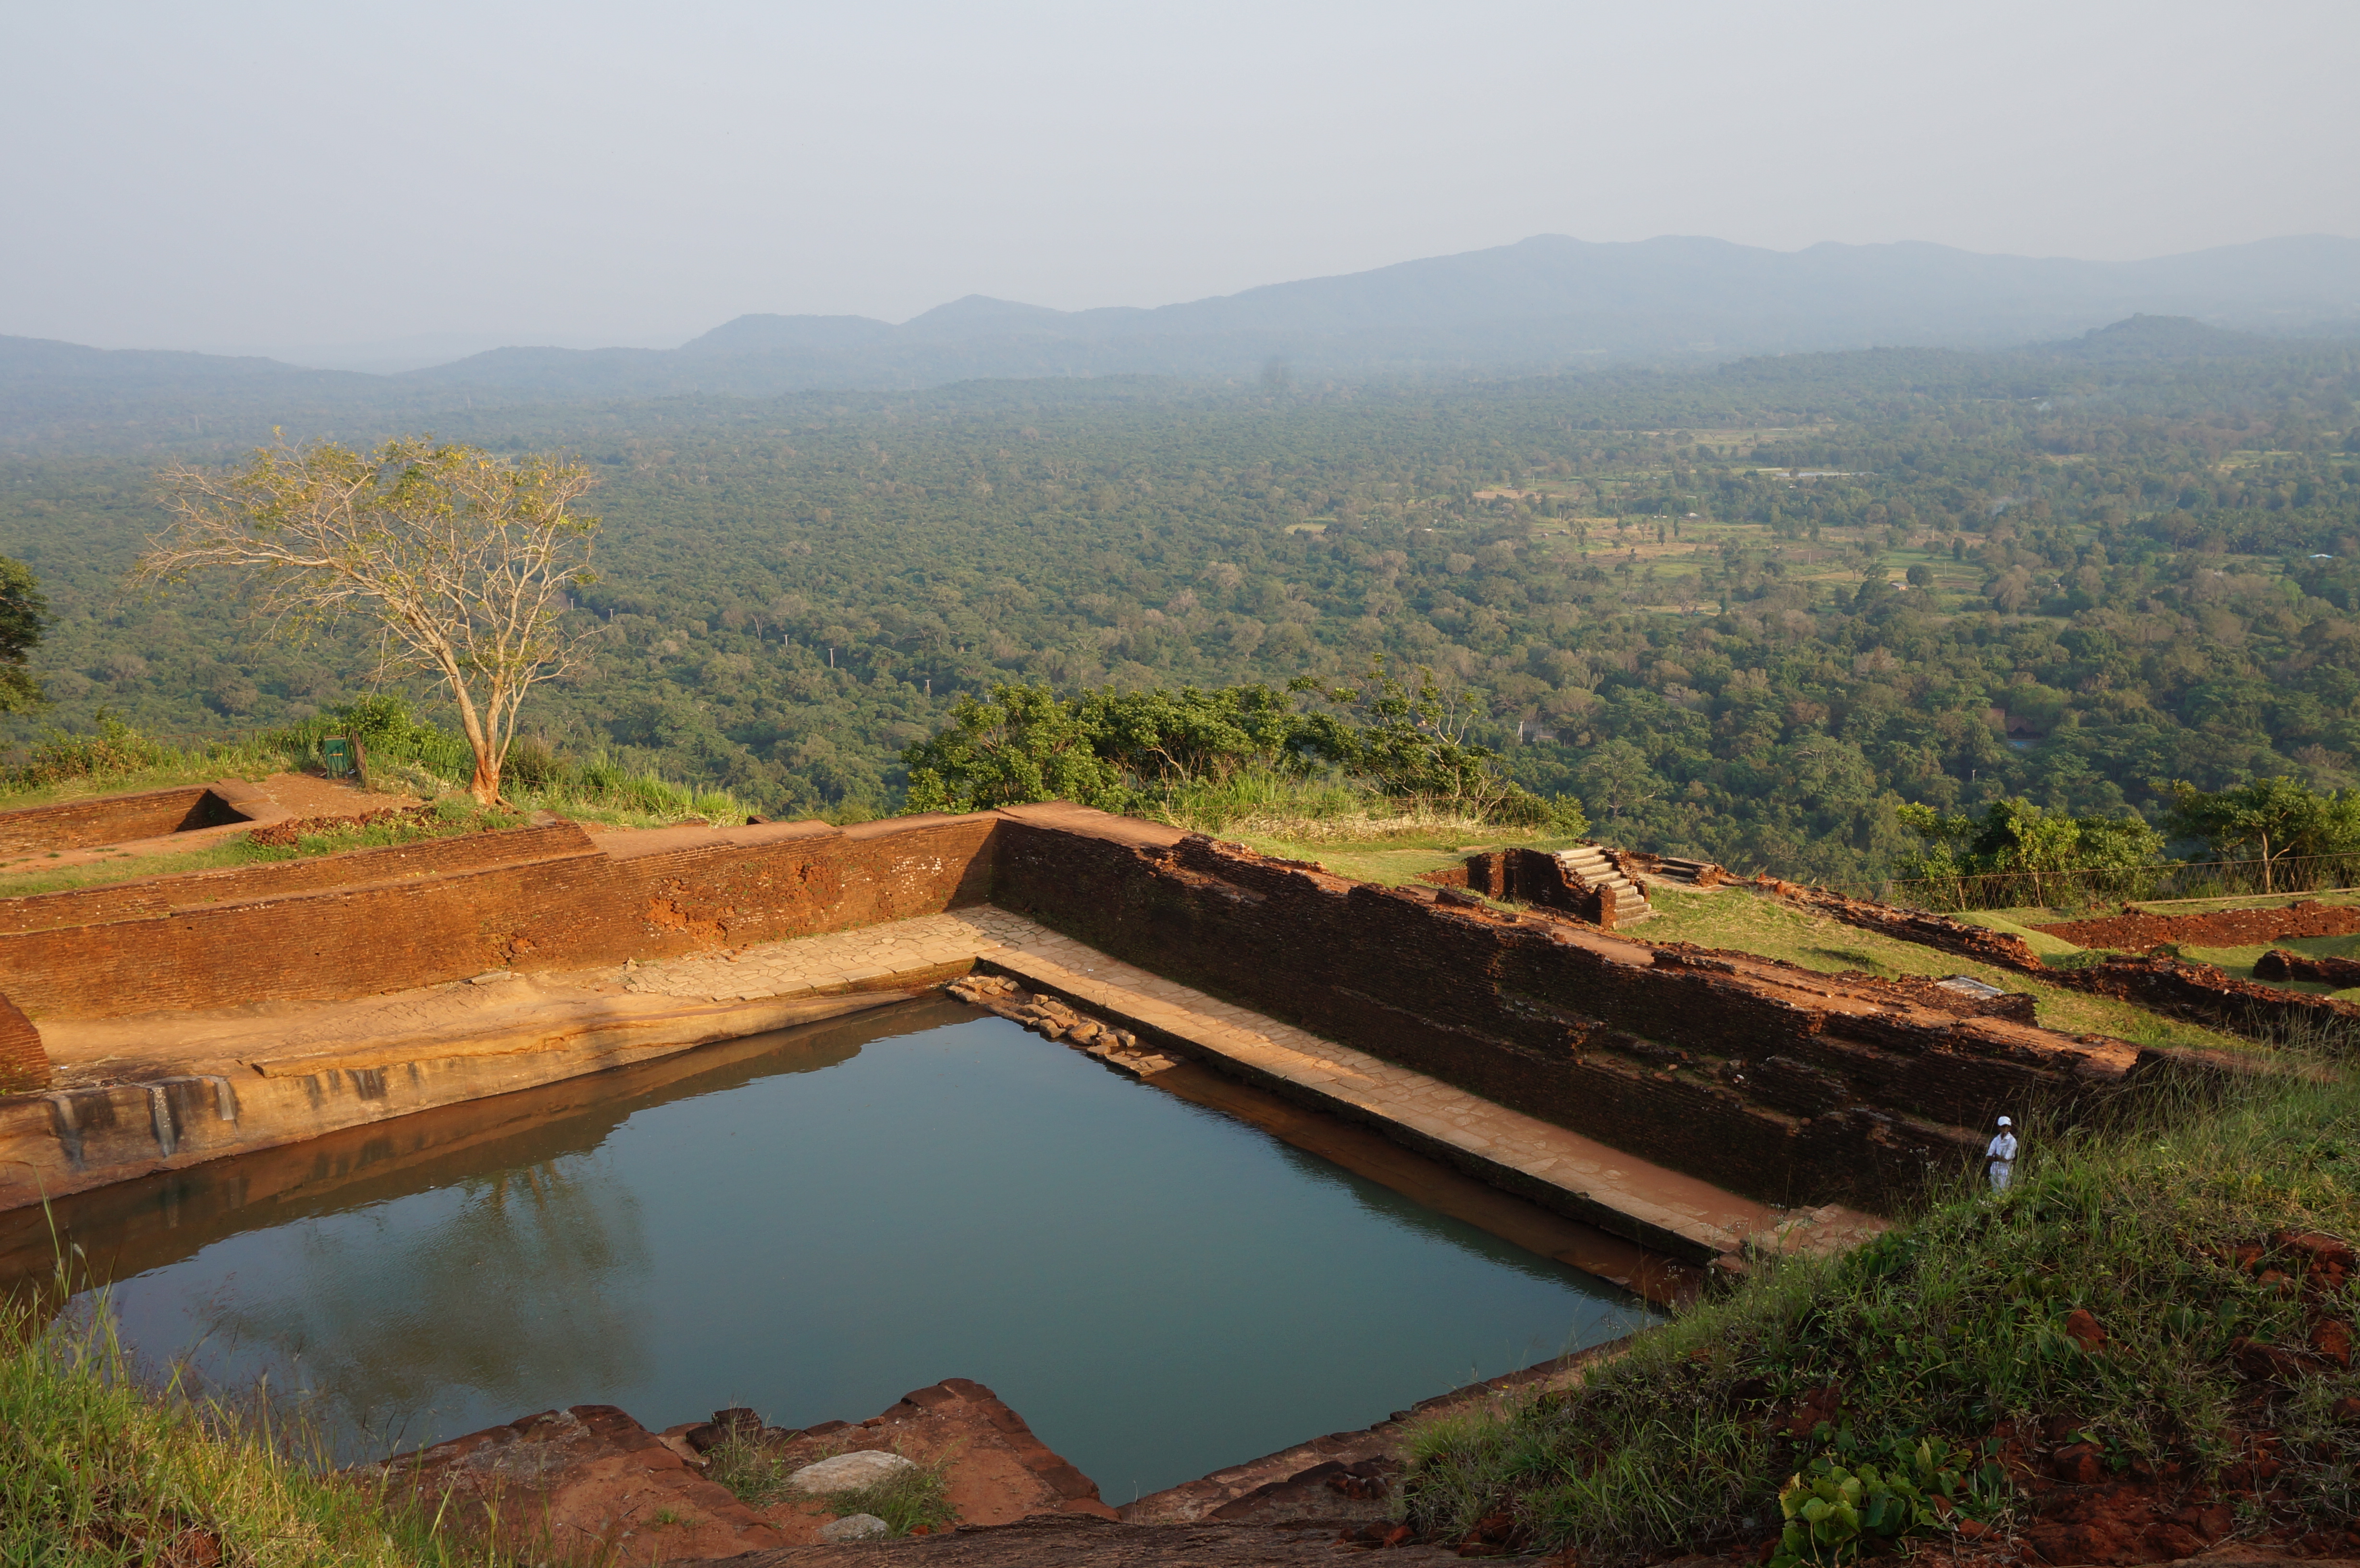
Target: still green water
{"points": [[815, 1222]]}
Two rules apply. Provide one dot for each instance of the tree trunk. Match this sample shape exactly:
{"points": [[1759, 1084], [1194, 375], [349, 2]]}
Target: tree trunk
{"points": [[485, 785]]}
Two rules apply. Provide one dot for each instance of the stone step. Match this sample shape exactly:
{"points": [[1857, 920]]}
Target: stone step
{"points": [[1593, 865]]}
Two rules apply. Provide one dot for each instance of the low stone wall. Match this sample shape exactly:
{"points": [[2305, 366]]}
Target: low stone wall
{"points": [[2204, 994], [23, 1065], [194, 892], [2137, 930], [1966, 940], [116, 819], [2200, 993], [1787, 1085]]}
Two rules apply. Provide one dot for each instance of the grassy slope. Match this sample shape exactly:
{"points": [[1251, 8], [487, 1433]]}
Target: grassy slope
{"points": [[1953, 1329]]}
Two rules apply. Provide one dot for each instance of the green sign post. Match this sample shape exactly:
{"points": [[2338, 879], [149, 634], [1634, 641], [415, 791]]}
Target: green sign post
{"points": [[341, 755]]}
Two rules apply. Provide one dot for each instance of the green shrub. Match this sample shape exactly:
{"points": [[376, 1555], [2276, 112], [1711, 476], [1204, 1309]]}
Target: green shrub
{"points": [[1833, 1508], [115, 751]]}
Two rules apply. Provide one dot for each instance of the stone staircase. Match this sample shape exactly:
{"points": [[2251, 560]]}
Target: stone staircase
{"points": [[1590, 863]]}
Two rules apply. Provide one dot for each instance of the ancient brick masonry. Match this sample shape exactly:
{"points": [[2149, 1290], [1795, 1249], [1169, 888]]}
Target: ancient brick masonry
{"points": [[23, 1065], [1940, 932], [1792, 1086], [2206, 995], [548, 898], [1531, 877]]}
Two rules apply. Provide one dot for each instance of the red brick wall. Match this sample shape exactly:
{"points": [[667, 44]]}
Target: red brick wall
{"points": [[1674, 1056], [1800, 1089], [23, 1065], [382, 935], [113, 819], [771, 883], [551, 898]]}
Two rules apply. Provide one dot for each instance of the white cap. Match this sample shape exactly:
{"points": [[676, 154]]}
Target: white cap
{"points": [[2004, 1122]]}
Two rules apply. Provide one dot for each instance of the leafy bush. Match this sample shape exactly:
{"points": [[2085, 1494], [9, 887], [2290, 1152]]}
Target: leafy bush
{"points": [[115, 751], [1125, 751], [2016, 835], [1834, 1508]]}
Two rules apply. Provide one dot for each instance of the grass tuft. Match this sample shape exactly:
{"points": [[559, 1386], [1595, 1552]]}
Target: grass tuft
{"points": [[906, 1500]]}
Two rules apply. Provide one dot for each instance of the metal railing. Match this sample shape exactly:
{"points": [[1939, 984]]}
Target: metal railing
{"points": [[2069, 889]]}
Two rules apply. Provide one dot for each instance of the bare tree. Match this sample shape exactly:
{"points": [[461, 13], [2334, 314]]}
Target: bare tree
{"points": [[464, 560]]}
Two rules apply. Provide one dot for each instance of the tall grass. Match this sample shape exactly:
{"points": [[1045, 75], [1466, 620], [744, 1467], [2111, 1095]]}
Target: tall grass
{"points": [[114, 758], [101, 1469], [404, 755], [1953, 1328], [1267, 804]]}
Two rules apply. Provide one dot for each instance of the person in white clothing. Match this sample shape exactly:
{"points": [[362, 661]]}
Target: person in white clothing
{"points": [[2001, 1155]]}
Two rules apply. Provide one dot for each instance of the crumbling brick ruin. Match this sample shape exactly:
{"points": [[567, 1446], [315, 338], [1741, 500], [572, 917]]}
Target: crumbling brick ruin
{"points": [[2200, 993]]}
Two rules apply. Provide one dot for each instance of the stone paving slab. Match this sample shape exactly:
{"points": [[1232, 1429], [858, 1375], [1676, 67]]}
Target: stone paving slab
{"points": [[1563, 1170]]}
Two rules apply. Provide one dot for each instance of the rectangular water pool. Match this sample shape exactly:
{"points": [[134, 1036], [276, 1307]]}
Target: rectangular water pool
{"points": [[815, 1222]]}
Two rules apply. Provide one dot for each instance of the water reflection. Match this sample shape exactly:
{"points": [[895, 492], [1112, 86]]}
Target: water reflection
{"points": [[509, 1284]]}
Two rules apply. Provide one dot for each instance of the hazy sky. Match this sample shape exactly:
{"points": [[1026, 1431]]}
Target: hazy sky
{"points": [[184, 175]]}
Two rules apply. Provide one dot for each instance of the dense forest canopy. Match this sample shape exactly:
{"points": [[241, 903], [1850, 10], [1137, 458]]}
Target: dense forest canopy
{"points": [[1740, 611]]}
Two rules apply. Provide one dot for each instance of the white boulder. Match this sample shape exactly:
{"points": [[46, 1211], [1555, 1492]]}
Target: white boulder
{"points": [[864, 1467]]}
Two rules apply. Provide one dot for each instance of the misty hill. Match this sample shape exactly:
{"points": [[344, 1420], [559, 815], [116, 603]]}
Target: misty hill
{"points": [[1547, 302], [1541, 305], [63, 393]]}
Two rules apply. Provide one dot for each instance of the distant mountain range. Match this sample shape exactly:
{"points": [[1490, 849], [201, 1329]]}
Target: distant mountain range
{"points": [[1545, 303]]}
